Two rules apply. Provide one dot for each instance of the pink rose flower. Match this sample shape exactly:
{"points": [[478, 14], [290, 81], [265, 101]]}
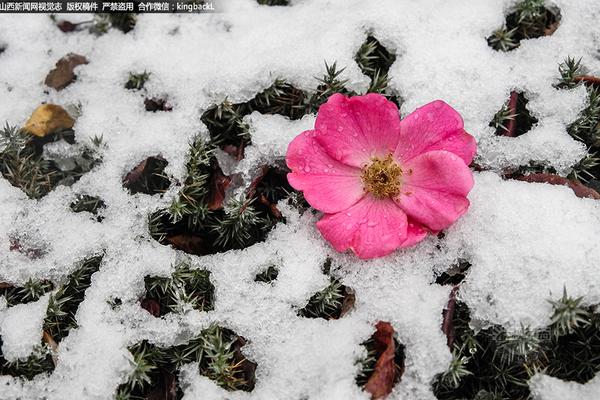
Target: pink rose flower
{"points": [[381, 182]]}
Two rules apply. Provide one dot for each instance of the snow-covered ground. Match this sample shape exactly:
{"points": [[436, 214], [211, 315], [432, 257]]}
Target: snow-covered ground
{"points": [[526, 241]]}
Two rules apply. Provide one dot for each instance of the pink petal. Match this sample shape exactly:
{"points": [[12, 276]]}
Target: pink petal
{"points": [[328, 185], [352, 130], [415, 232], [435, 126], [371, 228], [434, 189]]}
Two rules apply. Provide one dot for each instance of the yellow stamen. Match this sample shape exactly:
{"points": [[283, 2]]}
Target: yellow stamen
{"points": [[382, 177]]}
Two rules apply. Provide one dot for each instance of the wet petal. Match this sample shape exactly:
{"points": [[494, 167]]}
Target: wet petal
{"points": [[434, 189], [328, 185], [435, 126], [371, 228]]}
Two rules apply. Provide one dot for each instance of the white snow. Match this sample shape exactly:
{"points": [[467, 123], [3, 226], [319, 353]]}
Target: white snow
{"points": [[525, 241]]}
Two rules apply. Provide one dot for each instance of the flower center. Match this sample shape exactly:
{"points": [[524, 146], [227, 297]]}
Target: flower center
{"points": [[382, 177]]}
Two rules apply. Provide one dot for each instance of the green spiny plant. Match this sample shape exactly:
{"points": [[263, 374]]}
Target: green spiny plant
{"points": [[268, 275], [185, 288], [528, 19], [87, 203], [124, 22], [457, 370], [568, 315], [501, 119], [63, 304], [23, 165], [238, 225], [31, 290], [216, 349], [503, 39], [326, 303], [569, 70], [137, 81]]}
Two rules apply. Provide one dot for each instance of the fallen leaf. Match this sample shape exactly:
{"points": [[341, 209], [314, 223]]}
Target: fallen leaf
{"points": [[348, 301], [48, 118], [247, 367], [165, 390], [49, 340], [550, 29], [147, 177], [218, 184], [189, 243], [62, 75], [66, 26], [579, 189], [152, 306], [156, 104], [384, 376], [448, 316]]}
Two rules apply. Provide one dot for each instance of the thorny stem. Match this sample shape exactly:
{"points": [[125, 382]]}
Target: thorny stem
{"points": [[588, 79], [511, 127]]}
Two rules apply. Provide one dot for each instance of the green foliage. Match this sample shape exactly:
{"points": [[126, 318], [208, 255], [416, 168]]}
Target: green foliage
{"points": [[375, 61], [501, 119], [31, 290], [528, 19], [568, 315], [22, 164], [569, 69], [268, 275], [215, 349], [237, 227], [503, 39], [186, 288], [39, 362], [325, 303], [493, 364], [63, 304], [124, 22], [137, 81], [87, 203], [586, 127]]}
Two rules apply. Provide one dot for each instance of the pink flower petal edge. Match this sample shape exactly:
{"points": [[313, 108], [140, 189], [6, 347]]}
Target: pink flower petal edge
{"points": [[354, 129], [371, 228], [435, 126], [382, 183]]}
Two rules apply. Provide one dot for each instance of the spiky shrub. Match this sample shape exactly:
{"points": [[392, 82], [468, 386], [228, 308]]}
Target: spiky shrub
{"points": [[498, 365], [187, 288], [87, 203], [267, 275], [586, 127], [375, 61], [22, 163], [514, 118], [124, 22], [528, 19], [63, 304], [215, 349], [31, 290], [199, 224], [39, 362], [60, 317], [136, 81], [326, 303]]}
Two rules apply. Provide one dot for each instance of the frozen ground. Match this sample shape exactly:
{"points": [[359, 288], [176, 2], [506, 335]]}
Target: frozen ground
{"points": [[525, 241]]}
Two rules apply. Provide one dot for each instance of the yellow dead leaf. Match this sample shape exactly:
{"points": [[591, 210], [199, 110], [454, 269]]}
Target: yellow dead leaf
{"points": [[48, 118]]}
